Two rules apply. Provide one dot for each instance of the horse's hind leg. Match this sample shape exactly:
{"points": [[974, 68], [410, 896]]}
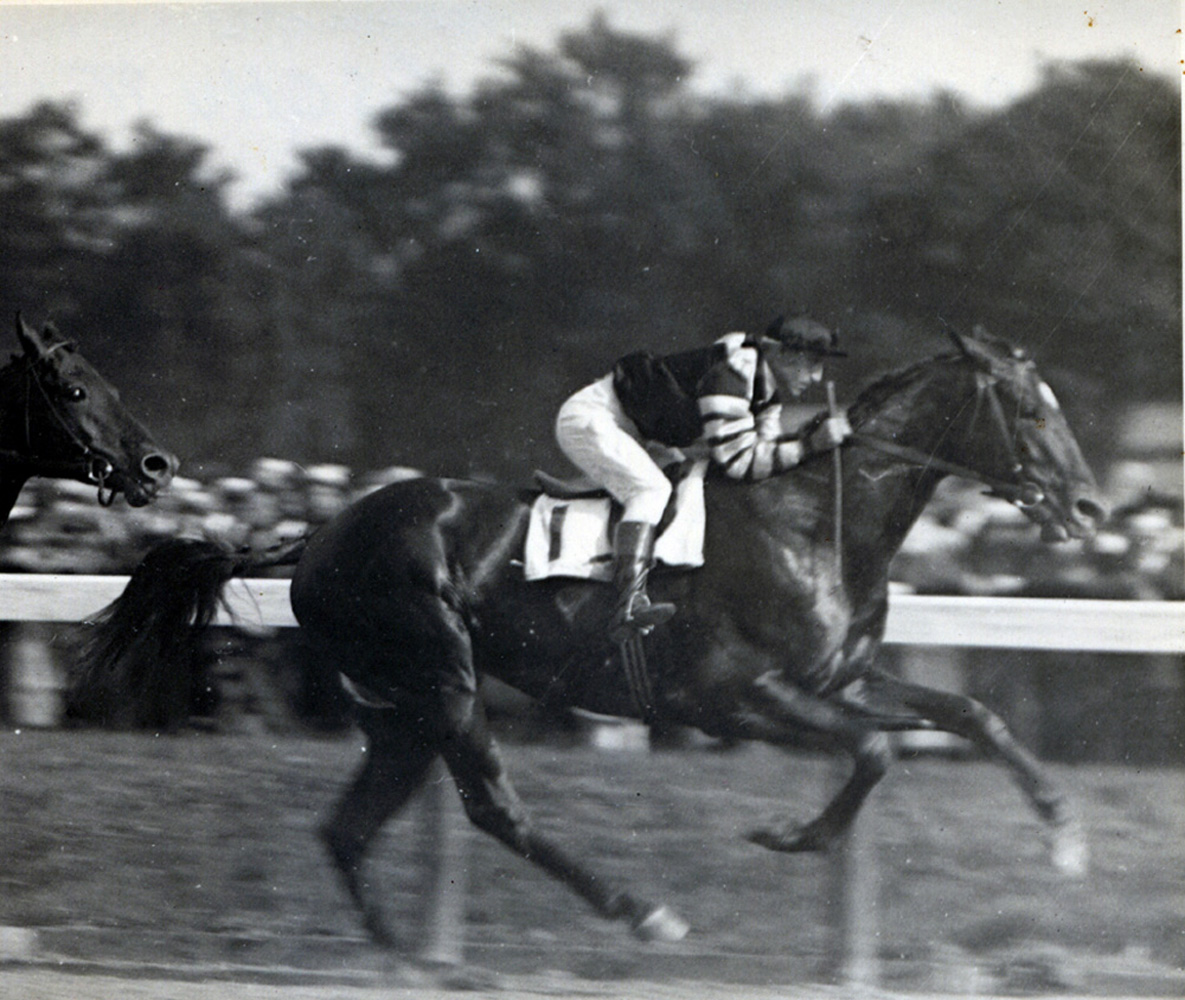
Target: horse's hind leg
{"points": [[493, 806], [398, 754], [966, 717]]}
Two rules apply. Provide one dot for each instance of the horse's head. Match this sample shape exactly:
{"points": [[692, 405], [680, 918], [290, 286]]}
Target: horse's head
{"points": [[1016, 438], [74, 424]]}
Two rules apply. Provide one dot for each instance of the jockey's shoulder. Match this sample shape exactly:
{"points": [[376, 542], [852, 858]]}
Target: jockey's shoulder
{"points": [[735, 341], [738, 355]]}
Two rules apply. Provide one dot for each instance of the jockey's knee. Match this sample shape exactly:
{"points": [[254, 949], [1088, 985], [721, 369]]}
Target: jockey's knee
{"points": [[648, 504]]}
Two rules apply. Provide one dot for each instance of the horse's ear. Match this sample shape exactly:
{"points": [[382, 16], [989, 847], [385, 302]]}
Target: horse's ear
{"points": [[962, 343], [981, 347], [999, 345], [32, 342]]}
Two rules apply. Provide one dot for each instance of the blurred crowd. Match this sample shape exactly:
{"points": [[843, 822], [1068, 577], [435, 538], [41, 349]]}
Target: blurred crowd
{"points": [[964, 543], [58, 527], [967, 543]]}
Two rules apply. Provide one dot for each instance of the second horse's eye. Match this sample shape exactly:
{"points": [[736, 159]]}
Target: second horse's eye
{"points": [[76, 394]]}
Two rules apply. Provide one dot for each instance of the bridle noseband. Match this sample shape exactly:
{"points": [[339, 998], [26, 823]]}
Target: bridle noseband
{"points": [[1021, 492]]}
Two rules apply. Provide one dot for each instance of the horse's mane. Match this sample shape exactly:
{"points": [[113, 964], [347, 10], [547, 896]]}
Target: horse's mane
{"points": [[873, 398]]}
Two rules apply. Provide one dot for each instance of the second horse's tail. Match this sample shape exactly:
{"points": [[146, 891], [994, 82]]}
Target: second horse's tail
{"points": [[137, 658]]}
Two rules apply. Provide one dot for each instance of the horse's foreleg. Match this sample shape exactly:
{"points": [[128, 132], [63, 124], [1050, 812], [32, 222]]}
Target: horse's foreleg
{"points": [[970, 719], [397, 760], [778, 712], [493, 806]]}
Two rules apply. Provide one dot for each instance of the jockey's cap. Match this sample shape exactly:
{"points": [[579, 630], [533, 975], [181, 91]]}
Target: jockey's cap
{"points": [[801, 333]]}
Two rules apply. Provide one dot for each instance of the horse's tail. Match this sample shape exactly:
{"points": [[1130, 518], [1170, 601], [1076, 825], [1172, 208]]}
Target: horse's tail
{"points": [[139, 659]]}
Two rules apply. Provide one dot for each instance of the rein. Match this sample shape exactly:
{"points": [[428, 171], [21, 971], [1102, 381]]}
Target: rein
{"points": [[1023, 493]]}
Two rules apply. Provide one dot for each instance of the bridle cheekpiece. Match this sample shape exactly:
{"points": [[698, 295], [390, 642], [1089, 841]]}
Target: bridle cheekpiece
{"points": [[1023, 493], [92, 464]]}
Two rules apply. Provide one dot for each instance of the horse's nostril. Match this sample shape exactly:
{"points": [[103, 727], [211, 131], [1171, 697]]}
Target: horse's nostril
{"points": [[1090, 510], [157, 466]]}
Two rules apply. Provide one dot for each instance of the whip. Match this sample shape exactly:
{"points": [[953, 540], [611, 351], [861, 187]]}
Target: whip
{"points": [[837, 469]]}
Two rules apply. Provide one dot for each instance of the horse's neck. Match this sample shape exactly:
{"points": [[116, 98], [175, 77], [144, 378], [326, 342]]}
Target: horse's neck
{"points": [[884, 495], [885, 499]]}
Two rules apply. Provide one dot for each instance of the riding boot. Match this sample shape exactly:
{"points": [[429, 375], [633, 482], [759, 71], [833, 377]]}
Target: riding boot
{"points": [[633, 556]]}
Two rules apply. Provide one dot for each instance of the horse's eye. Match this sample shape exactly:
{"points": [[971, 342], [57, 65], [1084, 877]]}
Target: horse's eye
{"points": [[76, 394]]}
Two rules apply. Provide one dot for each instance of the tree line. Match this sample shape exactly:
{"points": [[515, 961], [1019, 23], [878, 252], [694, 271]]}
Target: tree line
{"points": [[434, 308]]}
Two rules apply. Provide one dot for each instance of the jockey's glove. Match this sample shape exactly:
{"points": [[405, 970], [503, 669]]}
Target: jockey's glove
{"points": [[831, 433]]}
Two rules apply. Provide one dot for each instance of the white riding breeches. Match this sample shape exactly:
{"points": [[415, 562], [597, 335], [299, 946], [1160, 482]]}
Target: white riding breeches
{"points": [[599, 439]]}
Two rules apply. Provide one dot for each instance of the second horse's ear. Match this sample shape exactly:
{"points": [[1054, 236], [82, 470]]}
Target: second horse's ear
{"points": [[38, 345]]}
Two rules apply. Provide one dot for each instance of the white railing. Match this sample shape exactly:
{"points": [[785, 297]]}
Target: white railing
{"points": [[915, 620]]}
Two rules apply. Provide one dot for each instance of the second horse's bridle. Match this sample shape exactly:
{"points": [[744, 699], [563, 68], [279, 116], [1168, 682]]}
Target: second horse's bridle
{"points": [[91, 464]]}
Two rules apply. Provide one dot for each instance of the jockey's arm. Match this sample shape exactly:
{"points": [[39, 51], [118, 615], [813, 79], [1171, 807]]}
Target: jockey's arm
{"points": [[742, 420], [748, 445]]}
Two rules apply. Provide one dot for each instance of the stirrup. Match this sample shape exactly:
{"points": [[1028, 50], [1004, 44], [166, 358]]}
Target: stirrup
{"points": [[638, 617]]}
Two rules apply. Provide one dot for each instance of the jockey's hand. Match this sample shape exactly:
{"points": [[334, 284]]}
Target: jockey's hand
{"points": [[831, 433]]}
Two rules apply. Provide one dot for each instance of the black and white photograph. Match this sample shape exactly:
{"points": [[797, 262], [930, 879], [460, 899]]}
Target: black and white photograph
{"points": [[653, 500]]}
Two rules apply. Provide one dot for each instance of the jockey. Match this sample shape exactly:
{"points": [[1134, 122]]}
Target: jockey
{"points": [[727, 397]]}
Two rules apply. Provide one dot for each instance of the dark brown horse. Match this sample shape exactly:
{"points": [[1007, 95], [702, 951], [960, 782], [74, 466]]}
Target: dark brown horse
{"points": [[417, 589], [61, 419]]}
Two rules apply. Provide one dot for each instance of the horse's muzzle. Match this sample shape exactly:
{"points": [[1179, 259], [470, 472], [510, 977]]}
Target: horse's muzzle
{"points": [[1081, 517], [155, 472]]}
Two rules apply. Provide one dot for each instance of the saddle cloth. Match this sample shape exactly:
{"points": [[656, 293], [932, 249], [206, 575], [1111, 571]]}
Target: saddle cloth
{"points": [[572, 537]]}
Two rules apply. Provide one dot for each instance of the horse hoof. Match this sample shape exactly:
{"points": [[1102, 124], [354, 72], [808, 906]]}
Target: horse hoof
{"points": [[661, 924], [1069, 851]]}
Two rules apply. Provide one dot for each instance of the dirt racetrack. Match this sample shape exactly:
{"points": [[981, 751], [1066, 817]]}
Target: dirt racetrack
{"points": [[194, 859], [44, 985]]}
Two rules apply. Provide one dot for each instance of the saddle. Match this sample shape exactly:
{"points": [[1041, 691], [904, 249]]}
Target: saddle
{"points": [[570, 533], [568, 489]]}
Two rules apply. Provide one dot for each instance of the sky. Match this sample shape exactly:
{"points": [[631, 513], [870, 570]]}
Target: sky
{"points": [[259, 81]]}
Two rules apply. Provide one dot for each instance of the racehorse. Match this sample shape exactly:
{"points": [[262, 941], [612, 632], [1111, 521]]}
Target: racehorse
{"points": [[61, 419], [417, 589]]}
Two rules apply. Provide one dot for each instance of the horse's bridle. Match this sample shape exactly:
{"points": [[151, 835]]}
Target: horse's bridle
{"points": [[94, 465], [1021, 492]]}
